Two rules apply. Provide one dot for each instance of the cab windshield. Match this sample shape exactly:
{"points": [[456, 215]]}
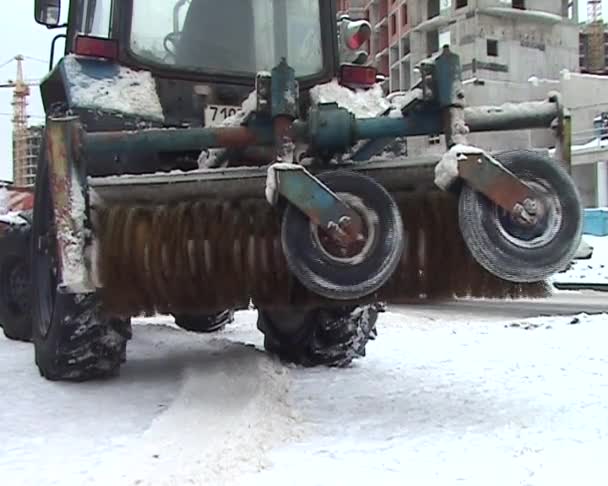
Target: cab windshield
{"points": [[239, 37]]}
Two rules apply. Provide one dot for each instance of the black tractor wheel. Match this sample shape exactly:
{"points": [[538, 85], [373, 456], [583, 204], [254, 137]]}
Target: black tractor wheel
{"points": [[346, 273], [330, 337], [204, 323], [73, 340], [15, 308], [520, 251]]}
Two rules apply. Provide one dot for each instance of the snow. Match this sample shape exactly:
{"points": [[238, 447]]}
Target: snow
{"points": [[446, 170], [362, 103], [13, 218], [248, 106], [75, 272], [596, 143], [591, 271], [465, 400], [401, 100], [271, 190], [209, 158], [129, 92]]}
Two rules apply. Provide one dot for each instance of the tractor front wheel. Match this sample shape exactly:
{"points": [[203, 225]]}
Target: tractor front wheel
{"points": [[205, 323], [322, 336]]}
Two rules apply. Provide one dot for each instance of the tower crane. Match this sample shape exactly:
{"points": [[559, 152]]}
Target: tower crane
{"points": [[21, 91]]}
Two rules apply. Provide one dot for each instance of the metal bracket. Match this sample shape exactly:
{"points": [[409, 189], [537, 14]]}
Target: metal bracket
{"points": [[70, 205], [323, 207], [488, 176]]}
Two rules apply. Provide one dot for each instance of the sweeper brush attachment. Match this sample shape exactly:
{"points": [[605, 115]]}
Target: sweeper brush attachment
{"points": [[210, 255], [322, 230]]}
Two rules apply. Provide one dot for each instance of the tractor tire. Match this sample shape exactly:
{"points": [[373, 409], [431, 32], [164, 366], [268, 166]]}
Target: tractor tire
{"points": [[15, 308], [73, 340], [515, 251], [204, 323], [331, 337]]}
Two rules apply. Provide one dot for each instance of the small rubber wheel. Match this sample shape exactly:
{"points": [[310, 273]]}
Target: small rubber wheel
{"points": [[514, 250], [206, 323], [336, 273]]}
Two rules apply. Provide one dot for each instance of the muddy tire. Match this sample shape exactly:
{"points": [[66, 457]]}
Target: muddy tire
{"points": [[329, 337], [524, 252], [204, 323], [15, 308], [73, 340]]}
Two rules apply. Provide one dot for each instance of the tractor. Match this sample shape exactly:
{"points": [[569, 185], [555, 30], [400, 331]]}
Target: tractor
{"points": [[199, 158]]}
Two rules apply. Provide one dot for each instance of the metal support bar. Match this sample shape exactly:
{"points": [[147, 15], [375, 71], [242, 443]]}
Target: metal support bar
{"points": [[70, 204], [564, 141], [511, 116], [322, 206], [329, 129], [175, 140]]}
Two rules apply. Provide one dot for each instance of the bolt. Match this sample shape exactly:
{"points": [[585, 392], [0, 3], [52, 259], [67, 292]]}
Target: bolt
{"points": [[344, 221], [522, 215], [530, 205]]}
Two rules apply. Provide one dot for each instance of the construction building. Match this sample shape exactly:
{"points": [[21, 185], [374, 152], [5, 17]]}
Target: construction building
{"points": [[26, 147], [587, 63], [510, 50]]}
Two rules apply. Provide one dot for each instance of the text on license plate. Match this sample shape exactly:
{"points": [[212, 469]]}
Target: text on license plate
{"points": [[216, 114]]}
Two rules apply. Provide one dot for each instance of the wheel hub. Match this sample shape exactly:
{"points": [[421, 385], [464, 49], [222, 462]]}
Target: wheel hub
{"points": [[535, 221], [348, 251]]}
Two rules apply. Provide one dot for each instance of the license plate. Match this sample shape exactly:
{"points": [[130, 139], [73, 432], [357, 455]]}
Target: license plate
{"points": [[216, 114]]}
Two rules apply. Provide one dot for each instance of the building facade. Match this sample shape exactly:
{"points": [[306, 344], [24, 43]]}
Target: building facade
{"points": [[511, 51], [586, 54]]}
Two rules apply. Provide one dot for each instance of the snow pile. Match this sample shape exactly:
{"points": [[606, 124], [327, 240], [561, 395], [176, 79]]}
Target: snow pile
{"points": [[446, 171], [362, 103], [130, 92], [591, 271]]}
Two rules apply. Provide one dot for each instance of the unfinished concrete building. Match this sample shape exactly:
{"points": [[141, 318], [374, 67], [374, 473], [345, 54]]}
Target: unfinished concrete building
{"points": [[26, 147]]}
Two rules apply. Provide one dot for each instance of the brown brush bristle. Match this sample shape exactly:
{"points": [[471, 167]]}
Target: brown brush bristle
{"points": [[209, 255]]}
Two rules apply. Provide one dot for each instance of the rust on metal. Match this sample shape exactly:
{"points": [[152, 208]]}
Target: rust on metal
{"points": [[494, 181], [235, 137]]}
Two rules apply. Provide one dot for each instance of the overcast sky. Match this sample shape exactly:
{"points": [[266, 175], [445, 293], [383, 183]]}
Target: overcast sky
{"points": [[21, 35]]}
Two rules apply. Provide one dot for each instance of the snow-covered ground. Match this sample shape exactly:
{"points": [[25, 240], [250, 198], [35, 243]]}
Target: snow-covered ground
{"points": [[591, 271], [472, 401]]}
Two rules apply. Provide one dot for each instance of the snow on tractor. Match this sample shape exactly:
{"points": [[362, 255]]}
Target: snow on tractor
{"points": [[202, 156]]}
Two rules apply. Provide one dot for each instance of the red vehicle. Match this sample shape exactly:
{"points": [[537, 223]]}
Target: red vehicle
{"points": [[16, 205]]}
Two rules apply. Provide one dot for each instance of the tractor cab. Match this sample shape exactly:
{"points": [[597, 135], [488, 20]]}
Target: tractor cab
{"points": [[213, 47]]}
